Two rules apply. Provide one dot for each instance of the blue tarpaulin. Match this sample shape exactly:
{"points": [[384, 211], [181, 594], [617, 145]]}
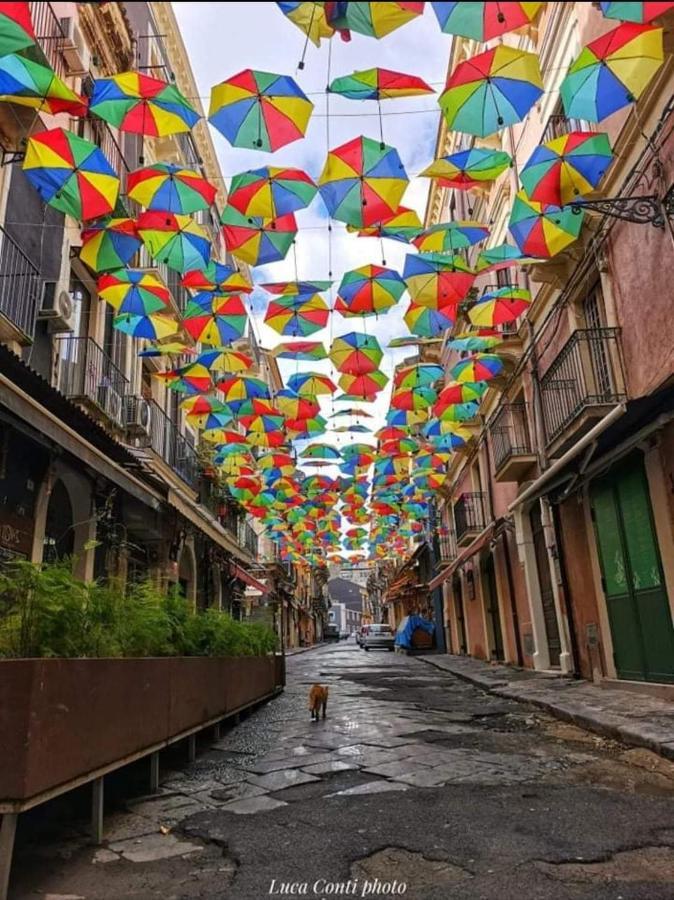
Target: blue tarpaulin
{"points": [[407, 628]]}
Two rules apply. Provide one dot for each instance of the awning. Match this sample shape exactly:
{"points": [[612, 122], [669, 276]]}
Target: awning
{"points": [[248, 579], [466, 554]]}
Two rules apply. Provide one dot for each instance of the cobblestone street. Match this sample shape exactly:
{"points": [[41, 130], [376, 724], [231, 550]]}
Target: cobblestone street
{"points": [[415, 777]]}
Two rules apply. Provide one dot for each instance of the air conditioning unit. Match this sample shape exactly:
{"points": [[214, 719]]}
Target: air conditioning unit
{"points": [[57, 307], [111, 403], [75, 52], [138, 416]]}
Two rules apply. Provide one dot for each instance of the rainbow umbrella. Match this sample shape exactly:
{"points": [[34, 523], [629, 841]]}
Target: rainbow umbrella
{"points": [[468, 169], [232, 442], [368, 291], [403, 225], [388, 433], [266, 431], [242, 388], [362, 182], [212, 422], [109, 243], [428, 322], [252, 408], [218, 278], [277, 462], [355, 429], [413, 341], [437, 428], [634, 12], [413, 398], [567, 167], [492, 90], [193, 378], [260, 110], [311, 384], [200, 405], [174, 240], [612, 72], [437, 281], [483, 21], [28, 83], [320, 451], [453, 440], [401, 445], [478, 367], [500, 306], [471, 341], [459, 393], [16, 27], [362, 386], [295, 406], [256, 240], [351, 412], [215, 319], [152, 327], [501, 256], [169, 348], [418, 375], [373, 19], [311, 18], [447, 237], [71, 174], [271, 191], [543, 230], [301, 350], [134, 291], [296, 287], [225, 359], [170, 188], [300, 429], [379, 84], [142, 105], [296, 315], [356, 354], [459, 412]]}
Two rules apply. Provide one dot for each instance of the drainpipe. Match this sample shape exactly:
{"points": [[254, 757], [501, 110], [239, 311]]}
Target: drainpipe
{"points": [[513, 603], [561, 559], [538, 403]]}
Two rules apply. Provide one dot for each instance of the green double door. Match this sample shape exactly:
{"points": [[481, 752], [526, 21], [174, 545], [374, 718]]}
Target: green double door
{"points": [[633, 581]]}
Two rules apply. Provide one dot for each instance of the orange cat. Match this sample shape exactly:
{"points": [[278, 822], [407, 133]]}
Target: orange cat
{"points": [[318, 698]]}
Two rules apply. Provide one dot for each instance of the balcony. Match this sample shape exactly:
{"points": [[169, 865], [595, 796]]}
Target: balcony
{"points": [[511, 445], [88, 375], [469, 517], [171, 446], [51, 37], [247, 538], [20, 292], [584, 382], [446, 545]]}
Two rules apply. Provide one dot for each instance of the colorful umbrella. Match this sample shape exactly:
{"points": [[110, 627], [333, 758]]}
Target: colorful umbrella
{"points": [[351, 412], [458, 393], [281, 462], [174, 240], [498, 307], [294, 406], [242, 388], [255, 240], [260, 110], [567, 167], [311, 384], [472, 341], [142, 105], [300, 429], [403, 225], [271, 191], [28, 83], [203, 405], [373, 19], [362, 182], [301, 350], [501, 256], [379, 84], [109, 243], [437, 281], [612, 71], [428, 322], [320, 451], [483, 21], [356, 354], [404, 418], [71, 174], [134, 291], [478, 367], [418, 375], [193, 378], [296, 287], [543, 230], [252, 408], [169, 348], [170, 188], [635, 12], [16, 27], [458, 412], [266, 431], [413, 399], [362, 386], [492, 90], [447, 237], [225, 359], [212, 422], [215, 319], [217, 277], [152, 327], [468, 169], [311, 18], [295, 315], [368, 291]]}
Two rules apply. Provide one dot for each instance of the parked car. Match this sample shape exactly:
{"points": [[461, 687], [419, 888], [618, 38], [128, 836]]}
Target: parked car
{"points": [[378, 637], [331, 632]]}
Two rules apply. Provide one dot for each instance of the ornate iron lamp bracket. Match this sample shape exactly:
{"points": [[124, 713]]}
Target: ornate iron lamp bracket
{"points": [[644, 210]]}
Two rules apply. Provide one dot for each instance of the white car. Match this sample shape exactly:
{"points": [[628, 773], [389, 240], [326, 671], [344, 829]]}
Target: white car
{"points": [[378, 637]]}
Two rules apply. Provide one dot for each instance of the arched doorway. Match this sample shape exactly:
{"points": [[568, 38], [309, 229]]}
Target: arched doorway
{"points": [[186, 573], [59, 532]]}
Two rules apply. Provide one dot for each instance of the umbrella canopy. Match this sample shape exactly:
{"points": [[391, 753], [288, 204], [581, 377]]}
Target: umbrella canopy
{"points": [[458, 412], [260, 110], [271, 191], [499, 307], [296, 287], [71, 174], [419, 375], [373, 19], [405, 418], [379, 84], [202, 405], [16, 27], [472, 341], [448, 237], [483, 21], [301, 350], [175, 240], [468, 169], [402, 226], [458, 393], [266, 431], [217, 277], [320, 451], [492, 90], [543, 230], [215, 319], [356, 354], [478, 367], [256, 240], [169, 348], [311, 384], [193, 378], [437, 281], [368, 291], [501, 256], [362, 386], [170, 188], [297, 315], [300, 429], [311, 18], [567, 167], [134, 291], [225, 359], [295, 406], [634, 12], [427, 322], [29, 83], [142, 105], [109, 243], [152, 327], [362, 182], [242, 388]]}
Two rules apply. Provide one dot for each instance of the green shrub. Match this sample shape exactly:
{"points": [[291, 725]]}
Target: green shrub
{"points": [[46, 612]]}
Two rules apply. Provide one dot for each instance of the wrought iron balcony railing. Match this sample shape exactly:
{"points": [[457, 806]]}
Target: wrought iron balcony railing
{"points": [[469, 515], [446, 544], [248, 538], [51, 37], [586, 376], [20, 287], [511, 437], [173, 447], [88, 374]]}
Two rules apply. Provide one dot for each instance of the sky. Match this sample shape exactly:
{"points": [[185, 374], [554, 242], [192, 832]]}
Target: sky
{"points": [[224, 38]]}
